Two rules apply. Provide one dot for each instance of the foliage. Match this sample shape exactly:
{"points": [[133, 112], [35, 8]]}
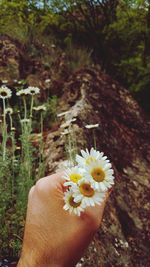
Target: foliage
{"points": [[24, 20], [118, 34], [21, 162]]}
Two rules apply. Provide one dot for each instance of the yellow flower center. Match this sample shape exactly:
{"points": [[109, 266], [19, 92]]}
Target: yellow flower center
{"points": [[86, 190], [98, 174], [73, 203], [3, 93], [89, 160], [32, 91], [75, 177]]}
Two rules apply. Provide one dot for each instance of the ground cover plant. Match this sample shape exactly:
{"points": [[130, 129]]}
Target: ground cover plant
{"points": [[21, 161]]}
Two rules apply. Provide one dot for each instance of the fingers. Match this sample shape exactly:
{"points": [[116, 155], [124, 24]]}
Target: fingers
{"points": [[49, 184], [93, 215]]}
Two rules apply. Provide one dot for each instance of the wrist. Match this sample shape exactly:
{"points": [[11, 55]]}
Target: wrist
{"points": [[32, 262]]}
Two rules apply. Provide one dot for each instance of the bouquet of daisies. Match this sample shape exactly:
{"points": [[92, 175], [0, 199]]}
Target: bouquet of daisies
{"points": [[88, 181]]}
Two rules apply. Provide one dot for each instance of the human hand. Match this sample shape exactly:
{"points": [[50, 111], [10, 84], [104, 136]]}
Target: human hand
{"points": [[52, 236]]}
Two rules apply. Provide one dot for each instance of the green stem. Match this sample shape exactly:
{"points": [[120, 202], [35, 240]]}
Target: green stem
{"points": [[94, 139], [31, 107], [70, 145], [4, 130], [25, 107], [10, 118], [41, 140], [13, 160], [41, 124]]}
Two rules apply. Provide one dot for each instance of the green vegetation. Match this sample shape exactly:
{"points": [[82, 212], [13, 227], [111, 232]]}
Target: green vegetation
{"points": [[21, 160], [112, 33], [115, 33]]}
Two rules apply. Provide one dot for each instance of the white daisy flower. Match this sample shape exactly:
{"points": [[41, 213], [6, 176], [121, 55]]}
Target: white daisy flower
{"points": [[13, 129], [100, 173], [47, 80], [91, 126], [85, 192], [25, 120], [33, 90], [71, 205], [67, 123], [73, 175], [5, 92], [63, 113], [89, 157], [66, 131], [5, 81], [23, 92], [18, 148], [40, 108], [9, 111]]}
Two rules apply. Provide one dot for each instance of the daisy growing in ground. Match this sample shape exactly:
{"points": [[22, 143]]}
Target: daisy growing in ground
{"points": [[33, 90], [9, 111], [85, 192], [71, 205], [40, 108], [5, 92], [100, 173], [23, 92]]}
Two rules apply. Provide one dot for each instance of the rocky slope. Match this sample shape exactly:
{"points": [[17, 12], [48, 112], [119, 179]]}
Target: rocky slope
{"points": [[91, 97]]}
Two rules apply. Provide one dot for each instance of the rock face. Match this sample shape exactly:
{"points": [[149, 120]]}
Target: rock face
{"points": [[92, 97], [9, 59]]}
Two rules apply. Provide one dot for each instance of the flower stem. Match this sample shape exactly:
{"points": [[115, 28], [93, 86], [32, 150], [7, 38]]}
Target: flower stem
{"points": [[4, 130], [10, 118], [41, 124], [31, 107], [25, 107], [94, 138]]}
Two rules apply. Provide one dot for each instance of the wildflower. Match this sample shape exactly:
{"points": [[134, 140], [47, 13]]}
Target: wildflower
{"points": [[23, 92], [53, 45], [18, 148], [33, 90], [5, 92], [40, 108], [73, 175], [8, 111], [25, 120], [88, 157], [71, 205], [67, 123], [13, 129], [90, 126], [85, 192], [65, 132], [5, 81], [63, 113], [47, 80], [100, 174]]}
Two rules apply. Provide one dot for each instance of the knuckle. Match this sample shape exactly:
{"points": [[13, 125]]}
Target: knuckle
{"points": [[31, 191], [40, 185], [43, 186]]}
